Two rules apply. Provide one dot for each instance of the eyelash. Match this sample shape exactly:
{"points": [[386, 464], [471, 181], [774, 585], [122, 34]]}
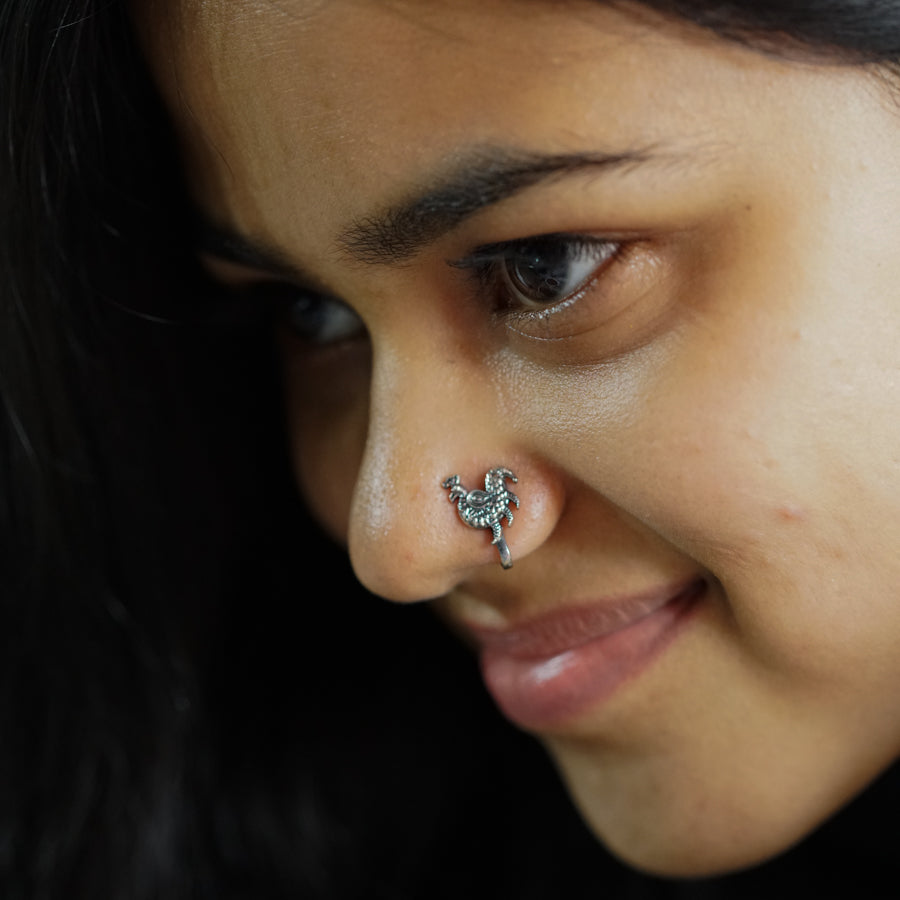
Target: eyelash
{"points": [[533, 258]]}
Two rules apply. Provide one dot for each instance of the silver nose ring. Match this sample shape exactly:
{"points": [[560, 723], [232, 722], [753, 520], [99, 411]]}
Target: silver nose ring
{"points": [[487, 508]]}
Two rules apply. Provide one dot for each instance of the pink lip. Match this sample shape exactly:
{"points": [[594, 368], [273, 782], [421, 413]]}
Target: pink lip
{"points": [[553, 668]]}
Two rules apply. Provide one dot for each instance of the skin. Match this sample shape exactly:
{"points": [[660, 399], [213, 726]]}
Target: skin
{"points": [[718, 402]]}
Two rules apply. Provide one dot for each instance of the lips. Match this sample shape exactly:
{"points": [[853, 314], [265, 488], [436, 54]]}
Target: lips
{"points": [[553, 668]]}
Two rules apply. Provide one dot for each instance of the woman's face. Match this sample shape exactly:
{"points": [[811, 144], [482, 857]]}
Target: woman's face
{"points": [[655, 275]]}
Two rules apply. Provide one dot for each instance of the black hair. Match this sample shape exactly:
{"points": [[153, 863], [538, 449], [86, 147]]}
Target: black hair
{"points": [[855, 31], [167, 730]]}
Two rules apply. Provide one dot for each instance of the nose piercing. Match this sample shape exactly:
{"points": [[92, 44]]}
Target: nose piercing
{"points": [[485, 509]]}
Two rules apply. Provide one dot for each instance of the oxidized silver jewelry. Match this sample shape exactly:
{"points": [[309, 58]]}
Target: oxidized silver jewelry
{"points": [[486, 509]]}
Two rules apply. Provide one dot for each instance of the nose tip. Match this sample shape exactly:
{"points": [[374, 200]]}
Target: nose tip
{"points": [[395, 530]]}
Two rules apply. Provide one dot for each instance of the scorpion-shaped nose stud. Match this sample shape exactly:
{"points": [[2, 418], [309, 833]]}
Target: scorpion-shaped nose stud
{"points": [[486, 509]]}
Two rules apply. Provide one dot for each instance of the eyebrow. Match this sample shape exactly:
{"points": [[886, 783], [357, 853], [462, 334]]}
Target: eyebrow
{"points": [[397, 233]]}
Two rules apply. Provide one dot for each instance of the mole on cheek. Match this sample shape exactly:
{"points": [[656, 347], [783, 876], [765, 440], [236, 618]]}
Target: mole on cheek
{"points": [[790, 513]]}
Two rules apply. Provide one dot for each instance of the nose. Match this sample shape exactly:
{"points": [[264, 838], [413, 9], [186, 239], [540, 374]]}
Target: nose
{"points": [[433, 415]]}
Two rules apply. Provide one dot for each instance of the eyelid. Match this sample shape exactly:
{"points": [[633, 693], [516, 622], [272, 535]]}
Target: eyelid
{"points": [[488, 253], [239, 275], [482, 262], [487, 265]]}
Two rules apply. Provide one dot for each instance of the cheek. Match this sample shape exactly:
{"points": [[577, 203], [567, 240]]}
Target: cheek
{"points": [[327, 423], [758, 439]]}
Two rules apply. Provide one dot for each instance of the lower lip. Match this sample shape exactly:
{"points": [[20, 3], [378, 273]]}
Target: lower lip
{"points": [[540, 693]]}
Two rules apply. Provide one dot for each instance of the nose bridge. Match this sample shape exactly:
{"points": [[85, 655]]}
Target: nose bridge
{"points": [[431, 414]]}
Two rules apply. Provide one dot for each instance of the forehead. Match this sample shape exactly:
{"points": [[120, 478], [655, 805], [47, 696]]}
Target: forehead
{"points": [[350, 67], [340, 102]]}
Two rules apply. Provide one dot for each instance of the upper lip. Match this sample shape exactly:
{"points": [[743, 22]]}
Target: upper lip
{"points": [[565, 629]]}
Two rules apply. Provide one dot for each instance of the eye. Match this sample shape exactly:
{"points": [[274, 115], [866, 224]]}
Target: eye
{"points": [[314, 318], [323, 320], [541, 272]]}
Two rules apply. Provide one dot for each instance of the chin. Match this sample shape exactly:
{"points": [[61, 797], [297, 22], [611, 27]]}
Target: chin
{"points": [[689, 854], [687, 825], [668, 847]]}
